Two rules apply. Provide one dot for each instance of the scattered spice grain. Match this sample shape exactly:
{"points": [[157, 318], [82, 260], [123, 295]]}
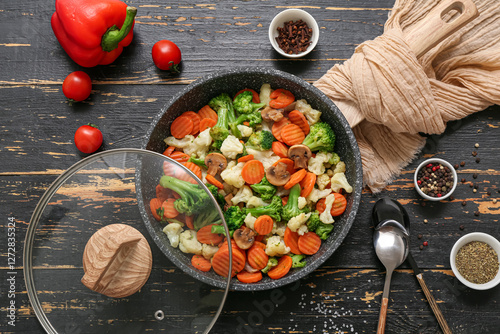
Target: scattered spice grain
{"points": [[419, 236], [455, 166], [421, 247], [474, 175], [474, 190], [474, 153], [478, 160], [462, 227], [476, 145], [463, 180], [476, 213], [494, 201], [464, 203], [426, 243], [477, 262], [462, 163], [425, 221]]}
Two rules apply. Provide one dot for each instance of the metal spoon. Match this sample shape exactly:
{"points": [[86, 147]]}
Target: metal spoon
{"points": [[390, 212], [391, 246]]}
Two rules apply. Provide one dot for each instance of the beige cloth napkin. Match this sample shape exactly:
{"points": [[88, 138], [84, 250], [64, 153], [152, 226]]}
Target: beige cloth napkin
{"points": [[399, 96]]}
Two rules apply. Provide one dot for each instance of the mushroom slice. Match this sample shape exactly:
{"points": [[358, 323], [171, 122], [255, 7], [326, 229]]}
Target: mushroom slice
{"points": [[216, 163], [300, 154], [278, 175], [244, 237], [270, 114]]}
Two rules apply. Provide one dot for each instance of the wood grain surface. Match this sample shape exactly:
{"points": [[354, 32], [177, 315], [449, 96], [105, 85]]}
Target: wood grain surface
{"points": [[342, 296]]}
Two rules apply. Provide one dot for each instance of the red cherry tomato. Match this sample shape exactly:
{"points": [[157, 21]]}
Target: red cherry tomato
{"points": [[166, 55], [88, 138], [77, 86]]}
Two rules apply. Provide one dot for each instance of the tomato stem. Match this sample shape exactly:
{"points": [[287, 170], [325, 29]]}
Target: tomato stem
{"points": [[114, 35]]}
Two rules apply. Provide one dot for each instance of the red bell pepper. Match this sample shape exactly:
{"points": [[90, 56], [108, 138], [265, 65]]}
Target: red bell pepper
{"points": [[93, 32]]}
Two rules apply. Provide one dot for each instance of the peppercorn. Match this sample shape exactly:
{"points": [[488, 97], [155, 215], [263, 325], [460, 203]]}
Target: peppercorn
{"points": [[464, 203], [463, 180], [455, 166], [478, 160], [474, 175], [474, 153], [462, 227], [419, 236], [421, 247], [476, 213], [426, 243], [462, 163]]}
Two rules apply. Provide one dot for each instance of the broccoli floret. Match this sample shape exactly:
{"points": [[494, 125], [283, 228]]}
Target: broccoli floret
{"points": [[335, 159], [199, 162], [207, 217], [261, 140], [218, 197], [273, 210], [234, 217], [324, 230], [291, 209], [272, 262], [252, 118], [265, 189], [193, 199], [244, 105], [223, 105], [216, 145], [313, 222], [298, 261], [320, 138]]}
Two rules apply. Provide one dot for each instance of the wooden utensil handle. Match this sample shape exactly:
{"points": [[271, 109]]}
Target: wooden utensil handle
{"points": [[435, 308], [433, 29], [383, 315]]}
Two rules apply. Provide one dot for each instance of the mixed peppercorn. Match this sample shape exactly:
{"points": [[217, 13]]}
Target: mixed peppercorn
{"points": [[435, 180]]}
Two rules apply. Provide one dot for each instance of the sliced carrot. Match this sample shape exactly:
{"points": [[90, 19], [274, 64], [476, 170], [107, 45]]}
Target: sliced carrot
{"points": [[247, 277], [155, 206], [175, 194], [295, 178], [263, 225], [292, 134], [280, 98], [207, 123], [194, 168], [309, 243], [284, 200], [321, 205], [290, 165], [195, 118], [259, 238], [168, 207], [307, 184], [278, 126], [212, 180], [280, 149], [297, 118], [253, 171], [257, 258], [207, 112], [162, 193], [339, 205], [220, 261], [284, 265], [181, 127], [180, 157], [259, 245], [246, 123], [246, 158], [205, 236], [255, 95], [200, 263], [184, 176], [189, 222], [169, 150], [291, 240]]}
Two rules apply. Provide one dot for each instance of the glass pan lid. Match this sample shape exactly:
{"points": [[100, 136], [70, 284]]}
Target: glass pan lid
{"points": [[116, 187]]}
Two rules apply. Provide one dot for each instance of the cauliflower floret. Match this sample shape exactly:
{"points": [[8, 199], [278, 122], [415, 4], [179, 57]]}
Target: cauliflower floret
{"points": [[268, 158], [317, 194], [302, 230], [279, 228], [231, 147], [296, 222], [200, 144], [265, 92], [316, 165], [322, 181], [339, 168], [208, 251], [243, 195], [311, 114], [302, 202], [339, 181], [189, 244], [179, 143], [255, 202], [246, 131], [326, 216], [173, 231], [276, 246], [232, 175], [250, 221]]}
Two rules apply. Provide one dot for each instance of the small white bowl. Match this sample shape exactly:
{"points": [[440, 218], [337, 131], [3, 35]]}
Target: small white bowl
{"points": [[293, 15], [476, 236], [444, 163]]}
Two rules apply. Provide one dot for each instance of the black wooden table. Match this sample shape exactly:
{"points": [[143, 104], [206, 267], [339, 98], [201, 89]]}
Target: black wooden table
{"points": [[37, 126]]}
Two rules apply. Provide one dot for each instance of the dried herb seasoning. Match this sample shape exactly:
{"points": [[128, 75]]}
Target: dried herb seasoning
{"points": [[294, 37], [477, 262]]}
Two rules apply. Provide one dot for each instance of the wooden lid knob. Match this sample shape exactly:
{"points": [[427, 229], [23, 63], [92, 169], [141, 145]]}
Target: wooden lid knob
{"points": [[117, 261]]}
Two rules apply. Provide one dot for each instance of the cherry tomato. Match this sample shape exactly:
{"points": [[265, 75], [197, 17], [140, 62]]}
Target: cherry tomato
{"points": [[88, 138], [77, 86], [166, 55]]}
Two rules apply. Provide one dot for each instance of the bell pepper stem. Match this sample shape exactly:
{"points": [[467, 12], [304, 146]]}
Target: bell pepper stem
{"points": [[114, 35]]}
